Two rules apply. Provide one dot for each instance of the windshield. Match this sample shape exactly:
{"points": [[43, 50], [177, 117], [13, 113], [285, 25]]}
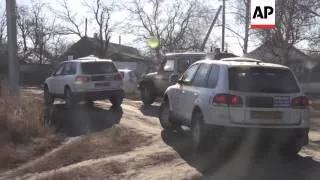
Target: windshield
{"points": [[98, 68], [183, 61], [262, 80], [169, 66]]}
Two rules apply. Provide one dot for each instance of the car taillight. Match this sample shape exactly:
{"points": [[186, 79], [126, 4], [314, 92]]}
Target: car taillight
{"points": [[227, 99], [82, 79], [301, 102], [118, 76]]}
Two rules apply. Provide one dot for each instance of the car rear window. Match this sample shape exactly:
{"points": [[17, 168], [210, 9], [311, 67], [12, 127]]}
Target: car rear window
{"points": [[262, 80], [98, 68]]}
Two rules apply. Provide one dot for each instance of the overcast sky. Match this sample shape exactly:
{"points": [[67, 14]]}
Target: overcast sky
{"points": [[127, 39]]}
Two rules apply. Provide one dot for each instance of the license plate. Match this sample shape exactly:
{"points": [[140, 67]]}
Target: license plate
{"points": [[102, 84], [282, 101], [266, 115]]}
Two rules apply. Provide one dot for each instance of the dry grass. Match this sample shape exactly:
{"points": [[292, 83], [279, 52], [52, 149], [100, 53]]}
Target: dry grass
{"points": [[24, 132], [106, 171], [115, 140], [23, 118], [316, 104]]}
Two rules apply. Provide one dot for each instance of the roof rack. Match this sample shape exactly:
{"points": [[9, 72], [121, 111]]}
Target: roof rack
{"points": [[242, 60]]}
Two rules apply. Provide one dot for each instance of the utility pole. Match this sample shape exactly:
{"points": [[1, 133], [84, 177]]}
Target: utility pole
{"points": [[86, 28], [14, 69], [210, 29], [223, 23]]}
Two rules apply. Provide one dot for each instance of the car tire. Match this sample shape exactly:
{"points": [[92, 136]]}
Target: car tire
{"points": [[116, 101], [199, 132], [167, 121], [48, 97], [290, 149], [69, 98], [147, 96]]}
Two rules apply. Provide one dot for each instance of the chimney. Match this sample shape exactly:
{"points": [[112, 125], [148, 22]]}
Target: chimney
{"points": [[119, 39]]}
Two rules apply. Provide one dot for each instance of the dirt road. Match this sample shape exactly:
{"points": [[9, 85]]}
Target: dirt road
{"points": [[128, 143]]}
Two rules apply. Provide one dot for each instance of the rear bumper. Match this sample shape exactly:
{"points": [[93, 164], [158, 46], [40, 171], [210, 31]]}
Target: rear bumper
{"points": [[98, 95], [276, 135]]}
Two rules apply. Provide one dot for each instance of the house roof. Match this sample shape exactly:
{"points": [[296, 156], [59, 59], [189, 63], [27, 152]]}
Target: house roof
{"points": [[265, 52], [113, 47], [90, 46]]}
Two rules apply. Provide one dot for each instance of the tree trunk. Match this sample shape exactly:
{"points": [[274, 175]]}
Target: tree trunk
{"points": [[107, 38], [101, 53], [25, 48], [247, 21]]}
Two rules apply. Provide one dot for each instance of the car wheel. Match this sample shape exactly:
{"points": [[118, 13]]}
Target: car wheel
{"points": [[198, 132], [116, 101], [290, 150], [146, 96], [166, 120], [48, 97], [68, 96]]}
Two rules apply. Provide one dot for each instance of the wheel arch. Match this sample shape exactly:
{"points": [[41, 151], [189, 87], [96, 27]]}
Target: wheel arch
{"points": [[167, 100], [66, 87], [195, 110], [46, 85]]}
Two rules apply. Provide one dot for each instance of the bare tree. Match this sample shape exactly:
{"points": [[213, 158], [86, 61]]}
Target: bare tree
{"points": [[3, 25], [41, 32], [23, 22], [59, 45], [242, 15], [72, 25], [174, 24], [102, 15], [312, 7], [291, 27]]}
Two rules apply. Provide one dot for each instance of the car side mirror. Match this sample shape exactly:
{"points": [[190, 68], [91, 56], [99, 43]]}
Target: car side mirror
{"points": [[50, 73], [174, 78]]}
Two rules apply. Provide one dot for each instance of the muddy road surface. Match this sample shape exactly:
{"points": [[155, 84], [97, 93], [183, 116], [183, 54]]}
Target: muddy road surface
{"points": [[103, 142]]}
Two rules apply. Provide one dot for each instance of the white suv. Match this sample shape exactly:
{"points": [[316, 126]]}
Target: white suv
{"points": [[87, 78], [236, 95]]}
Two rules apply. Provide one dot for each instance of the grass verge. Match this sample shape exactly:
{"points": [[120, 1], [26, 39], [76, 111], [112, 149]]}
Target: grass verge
{"points": [[24, 133]]}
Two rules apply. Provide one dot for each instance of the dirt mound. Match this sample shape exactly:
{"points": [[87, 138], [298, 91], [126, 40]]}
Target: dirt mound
{"points": [[115, 140], [150, 162]]}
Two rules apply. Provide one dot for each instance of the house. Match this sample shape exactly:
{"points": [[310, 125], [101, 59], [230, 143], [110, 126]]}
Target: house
{"points": [[124, 57], [301, 64], [31, 73]]}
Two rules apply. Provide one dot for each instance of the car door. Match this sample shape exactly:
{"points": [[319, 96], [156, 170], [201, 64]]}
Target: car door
{"points": [[54, 80], [191, 91], [161, 80], [184, 84], [209, 111], [67, 77]]}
